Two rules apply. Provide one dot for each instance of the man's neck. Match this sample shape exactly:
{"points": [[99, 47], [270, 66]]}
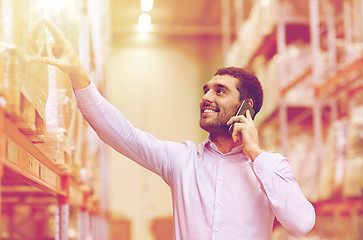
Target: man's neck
{"points": [[224, 142]]}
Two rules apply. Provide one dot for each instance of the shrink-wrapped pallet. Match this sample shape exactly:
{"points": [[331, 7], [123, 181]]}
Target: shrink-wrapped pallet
{"points": [[353, 180], [261, 23], [60, 110], [298, 61], [24, 84], [332, 168], [251, 34], [268, 73], [303, 162], [61, 107], [269, 137]]}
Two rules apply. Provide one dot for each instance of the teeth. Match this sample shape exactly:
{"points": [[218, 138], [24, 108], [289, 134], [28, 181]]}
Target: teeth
{"points": [[209, 111]]}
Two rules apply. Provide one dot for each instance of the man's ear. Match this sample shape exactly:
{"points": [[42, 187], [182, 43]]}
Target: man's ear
{"points": [[250, 101]]}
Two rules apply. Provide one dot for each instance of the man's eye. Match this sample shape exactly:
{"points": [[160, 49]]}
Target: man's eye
{"points": [[220, 91]]}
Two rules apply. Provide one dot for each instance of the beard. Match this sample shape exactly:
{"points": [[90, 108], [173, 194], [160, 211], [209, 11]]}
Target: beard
{"points": [[218, 124], [215, 125]]}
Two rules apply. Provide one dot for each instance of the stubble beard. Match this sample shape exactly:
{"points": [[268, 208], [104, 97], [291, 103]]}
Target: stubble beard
{"points": [[213, 126], [217, 125]]}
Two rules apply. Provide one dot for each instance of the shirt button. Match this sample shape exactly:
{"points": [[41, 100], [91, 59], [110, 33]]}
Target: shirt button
{"points": [[220, 178], [219, 203], [216, 229]]}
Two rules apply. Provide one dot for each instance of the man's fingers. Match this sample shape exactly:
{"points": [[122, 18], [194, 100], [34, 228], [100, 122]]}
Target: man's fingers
{"points": [[49, 49], [35, 45], [232, 120], [236, 119], [52, 61], [54, 30], [248, 115], [236, 134]]}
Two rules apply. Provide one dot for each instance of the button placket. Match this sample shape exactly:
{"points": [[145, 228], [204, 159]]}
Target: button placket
{"points": [[220, 178]]}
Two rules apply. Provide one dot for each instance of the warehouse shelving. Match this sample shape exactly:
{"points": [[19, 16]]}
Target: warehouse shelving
{"points": [[329, 82], [28, 177], [43, 194]]}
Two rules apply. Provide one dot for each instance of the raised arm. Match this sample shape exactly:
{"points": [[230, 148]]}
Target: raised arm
{"points": [[108, 122]]}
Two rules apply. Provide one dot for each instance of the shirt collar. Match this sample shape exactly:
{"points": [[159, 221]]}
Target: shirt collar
{"points": [[209, 144]]}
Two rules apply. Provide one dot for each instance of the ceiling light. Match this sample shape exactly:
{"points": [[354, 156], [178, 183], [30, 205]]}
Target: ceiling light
{"points": [[144, 24], [265, 3], [55, 5], [146, 5]]}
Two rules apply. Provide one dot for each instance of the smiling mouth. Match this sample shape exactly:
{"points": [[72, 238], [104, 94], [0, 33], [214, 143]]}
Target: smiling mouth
{"points": [[209, 111], [208, 108]]}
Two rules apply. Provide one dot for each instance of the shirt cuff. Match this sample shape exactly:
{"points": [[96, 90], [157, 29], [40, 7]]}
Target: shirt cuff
{"points": [[88, 96]]}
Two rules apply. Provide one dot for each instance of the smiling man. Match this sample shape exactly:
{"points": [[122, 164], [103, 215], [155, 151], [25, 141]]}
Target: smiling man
{"points": [[223, 96], [226, 188]]}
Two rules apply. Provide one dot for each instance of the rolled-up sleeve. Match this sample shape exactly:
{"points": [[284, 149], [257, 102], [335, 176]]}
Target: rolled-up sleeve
{"points": [[290, 206]]}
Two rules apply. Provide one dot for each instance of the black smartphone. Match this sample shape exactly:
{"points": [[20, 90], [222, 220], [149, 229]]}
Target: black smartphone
{"points": [[244, 107], [242, 111]]}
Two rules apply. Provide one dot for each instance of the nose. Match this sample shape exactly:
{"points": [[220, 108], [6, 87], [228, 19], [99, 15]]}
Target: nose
{"points": [[207, 97]]}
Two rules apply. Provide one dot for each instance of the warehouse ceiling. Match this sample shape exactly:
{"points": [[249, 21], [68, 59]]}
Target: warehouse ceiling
{"points": [[174, 17]]}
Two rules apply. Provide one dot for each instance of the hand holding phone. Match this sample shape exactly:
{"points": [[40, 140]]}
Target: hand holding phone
{"points": [[242, 111]]}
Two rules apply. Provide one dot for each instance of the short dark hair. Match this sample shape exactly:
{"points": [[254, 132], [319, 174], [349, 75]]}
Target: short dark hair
{"points": [[249, 86]]}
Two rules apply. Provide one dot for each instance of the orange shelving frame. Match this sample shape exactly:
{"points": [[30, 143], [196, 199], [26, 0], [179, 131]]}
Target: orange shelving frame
{"points": [[20, 157]]}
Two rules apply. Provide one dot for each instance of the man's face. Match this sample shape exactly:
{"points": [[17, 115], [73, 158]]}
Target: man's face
{"points": [[219, 103]]}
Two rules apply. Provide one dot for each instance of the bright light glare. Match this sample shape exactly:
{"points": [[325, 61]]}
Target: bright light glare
{"points": [[146, 5], [144, 24], [54, 5], [265, 3]]}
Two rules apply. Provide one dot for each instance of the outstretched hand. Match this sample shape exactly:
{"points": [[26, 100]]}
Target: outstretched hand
{"points": [[244, 130], [59, 53]]}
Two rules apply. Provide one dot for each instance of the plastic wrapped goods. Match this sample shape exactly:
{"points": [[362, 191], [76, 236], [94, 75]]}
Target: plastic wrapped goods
{"points": [[302, 158], [60, 111], [33, 77], [332, 170], [24, 85], [353, 177], [61, 105], [262, 22]]}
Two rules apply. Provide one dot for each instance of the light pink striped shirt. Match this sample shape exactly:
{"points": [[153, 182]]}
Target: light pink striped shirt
{"points": [[215, 196]]}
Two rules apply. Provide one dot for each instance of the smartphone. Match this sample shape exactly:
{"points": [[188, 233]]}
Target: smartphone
{"points": [[242, 111], [244, 107]]}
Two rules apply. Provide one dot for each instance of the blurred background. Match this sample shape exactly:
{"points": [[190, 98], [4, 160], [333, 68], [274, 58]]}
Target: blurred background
{"points": [[150, 59]]}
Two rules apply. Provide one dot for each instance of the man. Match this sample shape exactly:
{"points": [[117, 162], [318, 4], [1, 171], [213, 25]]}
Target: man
{"points": [[225, 188]]}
